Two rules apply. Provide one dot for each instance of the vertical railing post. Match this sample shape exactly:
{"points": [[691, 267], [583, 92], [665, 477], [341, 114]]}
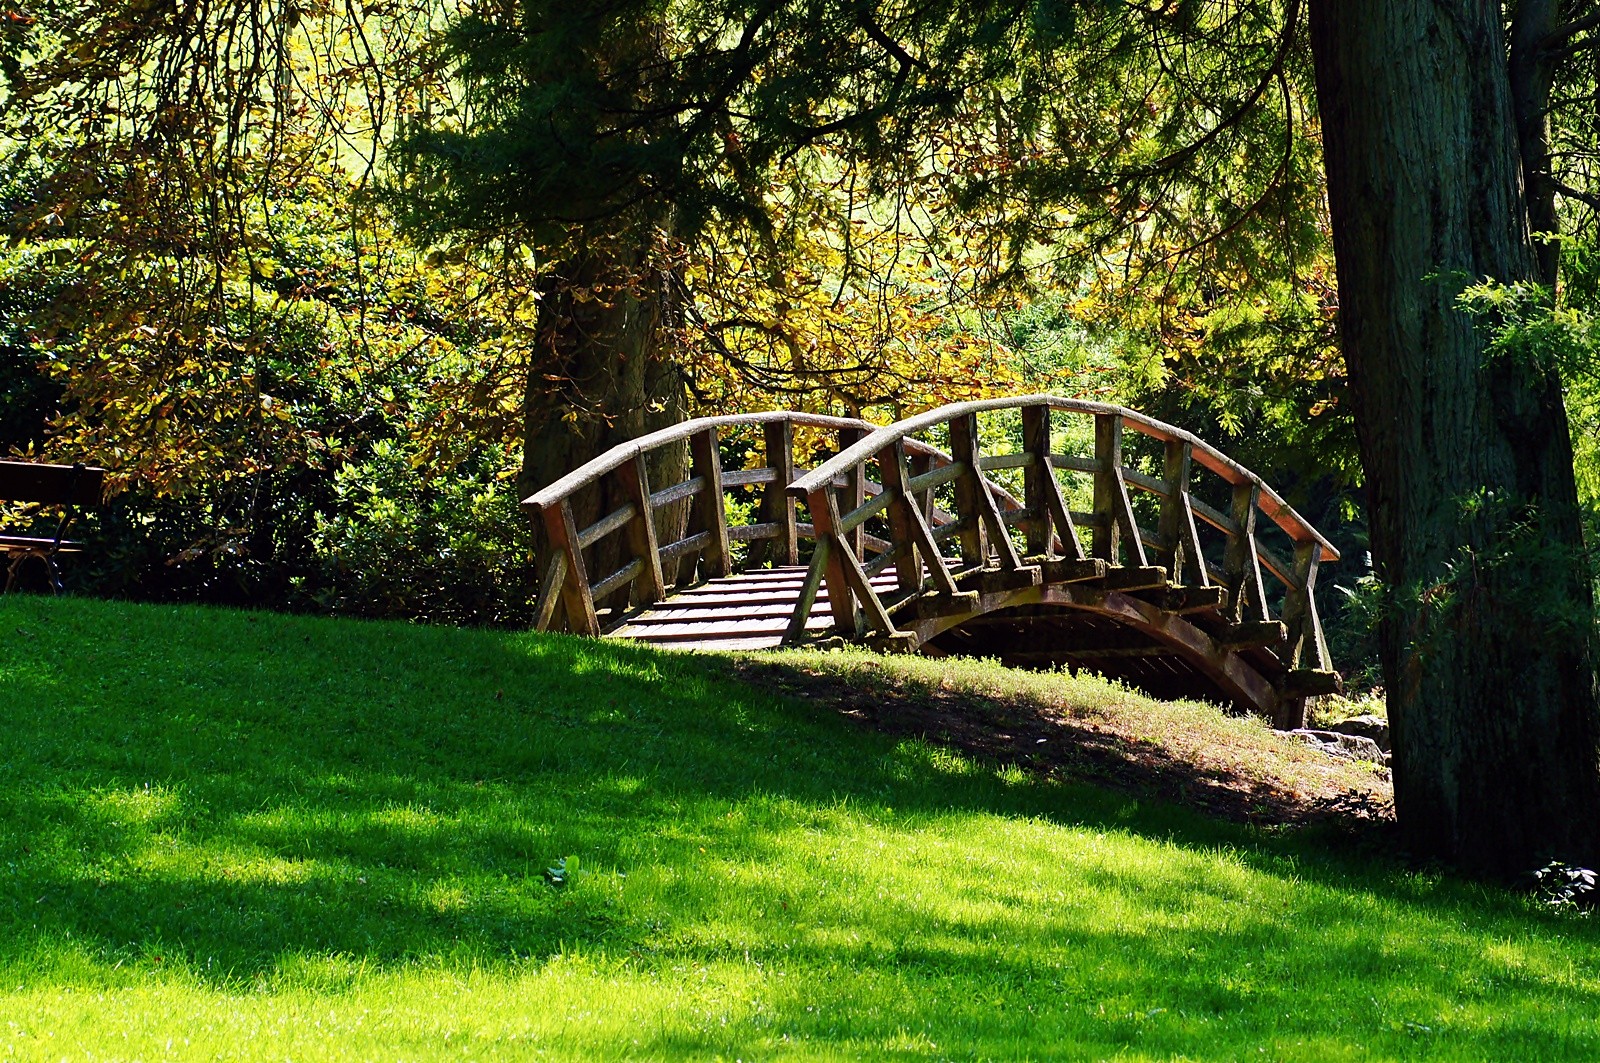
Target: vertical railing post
{"points": [[824, 505], [854, 492], [964, 452], [777, 505], [1306, 639], [648, 586], [1108, 459], [1241, 564], [1036, 444], [562, 531], [1113, 510], [1180, 540], [922, 462], [1046, 505], [976, 502], [900, 515], [712, 514]]}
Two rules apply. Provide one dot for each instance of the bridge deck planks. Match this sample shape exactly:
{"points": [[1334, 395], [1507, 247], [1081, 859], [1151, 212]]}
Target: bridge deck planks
{"points": [[749, 611]]}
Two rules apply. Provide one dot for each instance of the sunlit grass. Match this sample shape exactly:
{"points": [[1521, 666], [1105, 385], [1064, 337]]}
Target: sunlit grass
{"points": [[226, 835]]}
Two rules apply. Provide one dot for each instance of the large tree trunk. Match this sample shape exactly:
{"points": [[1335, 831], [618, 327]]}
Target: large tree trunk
{"points": [[604, 372], [1486, 646], [1530, 82]]}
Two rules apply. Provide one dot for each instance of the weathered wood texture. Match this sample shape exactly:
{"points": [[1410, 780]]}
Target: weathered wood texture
{"points": [[890, 566]]}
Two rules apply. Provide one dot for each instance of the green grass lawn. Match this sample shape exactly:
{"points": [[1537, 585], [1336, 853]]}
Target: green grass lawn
{"points": [[232, 835]]}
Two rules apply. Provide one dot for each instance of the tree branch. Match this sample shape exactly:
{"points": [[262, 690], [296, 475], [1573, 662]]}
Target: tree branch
{"points": [[1588, 198], [1561, 34]]}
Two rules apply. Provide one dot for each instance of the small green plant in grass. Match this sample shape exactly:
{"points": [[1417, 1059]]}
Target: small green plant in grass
{"points": [[1565, 885], [564, 872]]}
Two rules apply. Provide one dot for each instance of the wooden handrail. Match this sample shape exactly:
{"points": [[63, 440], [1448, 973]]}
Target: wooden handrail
{"points": [[595, 468], [1271, 503]]}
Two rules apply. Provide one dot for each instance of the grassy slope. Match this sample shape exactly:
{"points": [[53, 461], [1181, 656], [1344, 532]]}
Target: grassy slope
{"points": [[236, 835]]}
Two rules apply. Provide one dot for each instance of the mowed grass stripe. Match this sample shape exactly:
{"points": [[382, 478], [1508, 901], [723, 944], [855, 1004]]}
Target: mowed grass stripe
{"points": [[226, 834]]}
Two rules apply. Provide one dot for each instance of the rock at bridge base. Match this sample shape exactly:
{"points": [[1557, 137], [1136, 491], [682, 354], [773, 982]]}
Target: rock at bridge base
{"points": [[1347, 746], [1373, 727]]}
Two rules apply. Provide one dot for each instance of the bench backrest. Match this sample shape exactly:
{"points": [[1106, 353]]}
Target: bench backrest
{"points": [[58, 485]]}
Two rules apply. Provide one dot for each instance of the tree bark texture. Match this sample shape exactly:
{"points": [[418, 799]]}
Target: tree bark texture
{"points": [[604, 372], [1530, 80], [1487, 652]]}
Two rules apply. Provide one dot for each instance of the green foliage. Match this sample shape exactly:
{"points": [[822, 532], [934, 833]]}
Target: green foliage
{"points": [[1531, 332], [398, 543]]}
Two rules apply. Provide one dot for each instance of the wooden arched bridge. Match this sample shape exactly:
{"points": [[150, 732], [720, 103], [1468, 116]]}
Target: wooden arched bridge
{"points": [[956, 532]]}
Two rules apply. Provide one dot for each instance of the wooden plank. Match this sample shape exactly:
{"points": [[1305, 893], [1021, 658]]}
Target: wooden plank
{"points": [[1111, 502], [713, 517], [1073, 463], [1191, 599], [687, 545], [668, 614], [744, 533], [1241, 561], [903, 516], [754, 644], [1135, 578], [1072, 569], [607, 524], [635, 483], [1254, 634], [1058, 518], [928, 477], [747, 477], [988, 531], [808, 594], [824, 505], [550, 590], [617, 580], [1009, 461], [1036, 526], [1306, 641], [865, 512], [1216, 518], [927, 546], [1175, 510], [777, 505], [562, 533], [668, 495], [853, 492], [704, 631], [1311, 682], [1137, 480], [876, 616]]}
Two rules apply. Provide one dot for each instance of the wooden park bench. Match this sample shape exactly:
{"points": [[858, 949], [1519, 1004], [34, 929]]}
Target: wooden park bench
{"points": [[61, 487]]}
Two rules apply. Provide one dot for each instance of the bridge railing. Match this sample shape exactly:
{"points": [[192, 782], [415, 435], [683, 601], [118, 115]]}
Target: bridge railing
{"points": [[1169, 554], [705, 550]]}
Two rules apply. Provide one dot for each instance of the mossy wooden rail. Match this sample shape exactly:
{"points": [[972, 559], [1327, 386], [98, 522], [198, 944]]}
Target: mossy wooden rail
{"points": [[916, 548]]}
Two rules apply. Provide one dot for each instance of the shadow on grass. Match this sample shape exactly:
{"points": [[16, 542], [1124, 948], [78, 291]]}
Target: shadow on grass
{"points": [[222, 793], [1038, 738]]}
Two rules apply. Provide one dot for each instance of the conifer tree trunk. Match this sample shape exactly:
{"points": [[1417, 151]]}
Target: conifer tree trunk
{"points": [[1486, 641], [604, 372]]}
